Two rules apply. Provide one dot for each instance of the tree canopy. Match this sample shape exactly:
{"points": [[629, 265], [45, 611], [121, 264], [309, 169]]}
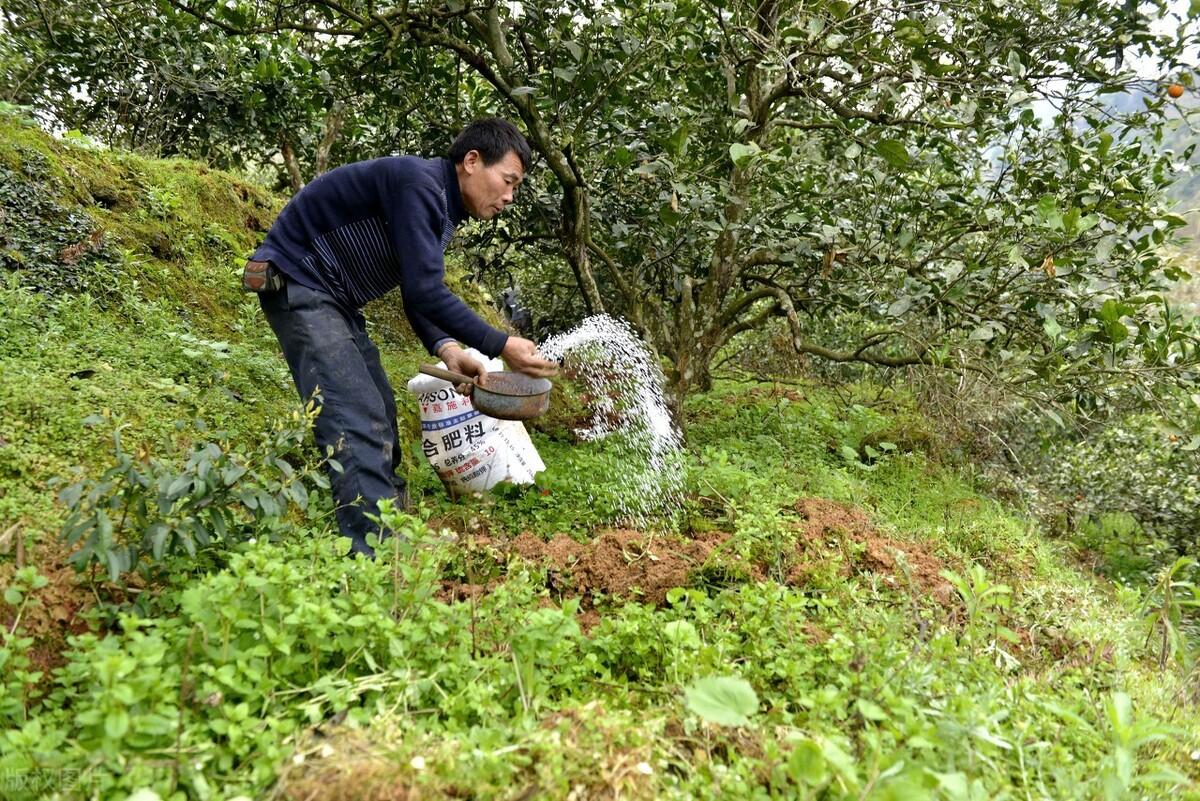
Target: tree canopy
{"points": [[932, 183]]}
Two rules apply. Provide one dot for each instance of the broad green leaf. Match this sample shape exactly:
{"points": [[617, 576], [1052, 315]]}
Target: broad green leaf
{"points": [[870, 710], [116, 723], [147, 795], [954, 785], [893, 152], [806, 763], [983, 333], [682, 633], [910, 32], [741, 154], [842, 762], [1047, 209], [723, 700]]}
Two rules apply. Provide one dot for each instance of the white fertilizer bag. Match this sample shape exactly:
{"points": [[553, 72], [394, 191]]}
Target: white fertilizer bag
{"points": [[469, 451]]}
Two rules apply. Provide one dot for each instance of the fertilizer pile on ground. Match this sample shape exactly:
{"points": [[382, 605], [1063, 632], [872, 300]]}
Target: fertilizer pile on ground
{"points": [[628, 411]]}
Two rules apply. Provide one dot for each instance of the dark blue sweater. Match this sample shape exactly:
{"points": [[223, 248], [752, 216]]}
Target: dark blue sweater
{"points": [[361, 229]]}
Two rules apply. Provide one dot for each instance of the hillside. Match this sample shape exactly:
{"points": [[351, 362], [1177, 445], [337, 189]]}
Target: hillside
{"points": [[833, 613]]}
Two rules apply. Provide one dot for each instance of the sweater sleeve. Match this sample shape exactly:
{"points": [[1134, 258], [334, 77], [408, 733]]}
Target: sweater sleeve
{"points": [[430, 335], [415, 220]]}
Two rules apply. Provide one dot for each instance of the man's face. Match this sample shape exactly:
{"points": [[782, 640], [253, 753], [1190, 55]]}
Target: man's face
{"points": [[487, 190]]}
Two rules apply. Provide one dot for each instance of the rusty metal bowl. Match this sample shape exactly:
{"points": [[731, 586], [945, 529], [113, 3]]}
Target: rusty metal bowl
{"points": [[507, 396]]}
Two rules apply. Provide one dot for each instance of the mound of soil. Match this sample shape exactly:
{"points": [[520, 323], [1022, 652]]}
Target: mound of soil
{"points": [[638, 566], [827, 524], [621, 562]]}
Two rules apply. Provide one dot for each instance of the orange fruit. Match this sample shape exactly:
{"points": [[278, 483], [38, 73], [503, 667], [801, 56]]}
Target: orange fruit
{"points": [[1175, 90]]}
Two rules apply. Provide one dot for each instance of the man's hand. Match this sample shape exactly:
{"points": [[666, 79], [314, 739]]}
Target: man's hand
{"points": [[456, 359], [521, 355]]}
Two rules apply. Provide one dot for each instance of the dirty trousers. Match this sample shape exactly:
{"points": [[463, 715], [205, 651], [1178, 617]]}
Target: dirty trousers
{"points": [[330, 355]]}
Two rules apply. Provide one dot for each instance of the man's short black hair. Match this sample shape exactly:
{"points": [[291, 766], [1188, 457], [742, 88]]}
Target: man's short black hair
{"points": [[493, 138]]}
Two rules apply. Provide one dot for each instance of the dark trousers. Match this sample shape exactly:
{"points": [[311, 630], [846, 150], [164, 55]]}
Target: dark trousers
{"points": [[330, 355]]}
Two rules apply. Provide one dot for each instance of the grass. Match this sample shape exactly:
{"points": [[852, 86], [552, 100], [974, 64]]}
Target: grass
{"points": [[462, 669]]}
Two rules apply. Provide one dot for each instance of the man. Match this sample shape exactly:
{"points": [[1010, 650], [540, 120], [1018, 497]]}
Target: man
{"points": [[347, 238]]}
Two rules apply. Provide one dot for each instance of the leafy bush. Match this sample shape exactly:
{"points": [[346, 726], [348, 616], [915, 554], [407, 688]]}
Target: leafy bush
{"points": [[228, 666], [142, 511], [1142, 465]]}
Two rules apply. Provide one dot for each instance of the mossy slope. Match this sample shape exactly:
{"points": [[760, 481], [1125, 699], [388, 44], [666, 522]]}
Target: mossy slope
{"points": [[120, 305]]}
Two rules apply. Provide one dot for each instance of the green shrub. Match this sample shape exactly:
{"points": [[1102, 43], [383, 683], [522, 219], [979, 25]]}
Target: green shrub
{"points": [[227, 667], [1137, 466], [142, 511]]}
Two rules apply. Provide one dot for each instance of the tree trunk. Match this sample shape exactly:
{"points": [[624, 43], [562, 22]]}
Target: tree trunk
{"points": [[290, 162], [334, 119], [574, 239]]}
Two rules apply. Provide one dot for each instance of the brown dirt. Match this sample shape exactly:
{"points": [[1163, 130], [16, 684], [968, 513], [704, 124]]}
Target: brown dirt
{"points": [[634, 565], [55, 611], [829, 524], [815, 634], [620, 562]]}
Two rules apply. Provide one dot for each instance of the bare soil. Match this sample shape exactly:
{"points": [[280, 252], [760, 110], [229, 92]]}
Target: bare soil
{"points": [[631, 565], [827, 525], [53, 612]]}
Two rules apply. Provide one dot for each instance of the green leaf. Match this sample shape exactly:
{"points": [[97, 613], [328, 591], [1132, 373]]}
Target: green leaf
{"points": [[910, 32], [899, 306], [116, 723], [144, 795], [870, 710], [13, 596], [158, 539], [954, 785], [723, 700], [682, 633], [1047, 209], [668, 215], [741, 154], [894, 152], [842, 762], [806, 763], [179, 486], [1051, 327]]}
